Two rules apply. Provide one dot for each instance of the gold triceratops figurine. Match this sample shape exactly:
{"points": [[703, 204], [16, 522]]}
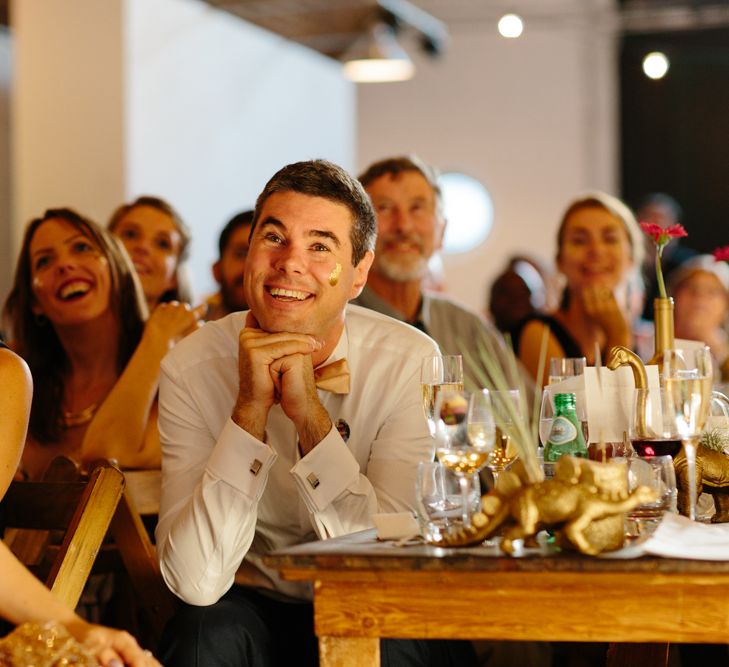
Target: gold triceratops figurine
{"points": [[584, 502]]}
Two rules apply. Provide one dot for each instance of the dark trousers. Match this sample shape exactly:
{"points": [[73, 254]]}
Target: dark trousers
{"points": [[246, 628]]}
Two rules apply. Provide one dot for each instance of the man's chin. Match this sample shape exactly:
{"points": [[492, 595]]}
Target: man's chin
{"points": [[400, 272], [279, 324]]}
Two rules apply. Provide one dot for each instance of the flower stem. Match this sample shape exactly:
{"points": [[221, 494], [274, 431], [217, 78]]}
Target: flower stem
{"points": [[659, 272]]}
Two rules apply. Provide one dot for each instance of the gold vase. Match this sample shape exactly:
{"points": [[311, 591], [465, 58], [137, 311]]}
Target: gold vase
{"points": [[663, 319]]}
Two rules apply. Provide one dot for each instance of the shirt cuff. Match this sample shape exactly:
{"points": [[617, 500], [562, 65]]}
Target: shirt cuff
{"points": [[237, 450], [325, 472]]}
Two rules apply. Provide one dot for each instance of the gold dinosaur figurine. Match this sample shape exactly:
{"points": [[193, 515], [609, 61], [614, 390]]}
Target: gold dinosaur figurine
{"points": [[622, 356], [585, 502], [712, 476]]}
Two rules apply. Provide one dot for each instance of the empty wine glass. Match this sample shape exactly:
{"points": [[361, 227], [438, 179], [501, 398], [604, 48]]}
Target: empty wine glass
{"points": [[464, 438], [655, 472], [688, 376], [561, 368], [439, 373]]}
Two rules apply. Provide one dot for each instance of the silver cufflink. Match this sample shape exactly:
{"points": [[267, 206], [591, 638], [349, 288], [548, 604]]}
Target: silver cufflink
{"points": [[313, 480], [256, 466]]}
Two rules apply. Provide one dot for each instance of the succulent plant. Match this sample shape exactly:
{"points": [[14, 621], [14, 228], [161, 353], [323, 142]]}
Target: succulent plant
{"points": [[716, 439]]}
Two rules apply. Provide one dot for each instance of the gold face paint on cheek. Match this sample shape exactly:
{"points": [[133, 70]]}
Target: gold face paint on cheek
{"points": [[334, 275], [37, 283]]}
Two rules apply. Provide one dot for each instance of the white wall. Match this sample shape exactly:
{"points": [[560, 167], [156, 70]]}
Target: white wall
{"points": [[534, 119], [67, 122], [215, 106], [119, 98]]}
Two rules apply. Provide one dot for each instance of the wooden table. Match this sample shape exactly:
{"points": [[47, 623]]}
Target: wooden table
{"points": [[364, 590]]}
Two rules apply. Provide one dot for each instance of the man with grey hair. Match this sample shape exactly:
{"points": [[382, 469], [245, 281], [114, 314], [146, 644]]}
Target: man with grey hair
{"points": [[410, 221]]}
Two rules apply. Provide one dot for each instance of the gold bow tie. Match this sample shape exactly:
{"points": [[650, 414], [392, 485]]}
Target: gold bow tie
{"points": [[333, 377]]}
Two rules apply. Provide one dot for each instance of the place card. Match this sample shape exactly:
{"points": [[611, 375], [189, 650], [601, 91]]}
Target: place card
{"points": [[609, 400]]}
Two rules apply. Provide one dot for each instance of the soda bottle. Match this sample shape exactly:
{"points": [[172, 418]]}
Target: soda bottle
{"points": [[565, 435]]}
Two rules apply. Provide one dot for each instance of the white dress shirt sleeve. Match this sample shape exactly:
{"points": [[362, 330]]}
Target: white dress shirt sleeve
{"points": [[209, 496]]}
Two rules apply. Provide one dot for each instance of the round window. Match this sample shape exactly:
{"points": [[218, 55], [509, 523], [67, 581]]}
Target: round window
{"points": [[468, 210]]}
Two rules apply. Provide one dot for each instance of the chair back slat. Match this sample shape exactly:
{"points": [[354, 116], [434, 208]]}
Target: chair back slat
{"points": [[86, 533], [83, 510]]}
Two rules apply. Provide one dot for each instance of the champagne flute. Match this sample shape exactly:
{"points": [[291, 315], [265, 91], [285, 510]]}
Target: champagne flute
{"points": [[506, 413], [439, 373], [465, 438], [688, 376]]}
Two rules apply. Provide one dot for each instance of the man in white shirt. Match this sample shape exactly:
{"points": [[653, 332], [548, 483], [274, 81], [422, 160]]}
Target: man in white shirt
{"points": [[256, 458]]}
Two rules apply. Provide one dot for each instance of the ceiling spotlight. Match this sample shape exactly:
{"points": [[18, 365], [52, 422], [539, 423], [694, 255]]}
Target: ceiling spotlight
{"points": [[378, 57], [510, 26], [655, 65]]}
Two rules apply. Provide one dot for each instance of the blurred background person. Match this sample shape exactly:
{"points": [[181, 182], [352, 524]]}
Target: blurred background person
{"points": [[599, 244], [158, 242], [665, 211], [516, 294], [76, 314], [410, 225], [700, 290], [228, 270]]}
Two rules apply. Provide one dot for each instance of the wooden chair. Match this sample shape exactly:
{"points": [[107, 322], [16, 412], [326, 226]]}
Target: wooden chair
{"points": [[105, 504], [83, 510], [139, 557]]}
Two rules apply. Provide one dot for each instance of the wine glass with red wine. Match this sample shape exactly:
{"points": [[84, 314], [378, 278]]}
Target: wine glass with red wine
{"points": [[653, 431]]}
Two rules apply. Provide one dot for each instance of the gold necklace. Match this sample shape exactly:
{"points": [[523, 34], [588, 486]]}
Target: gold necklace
{"points": [[71, 419]]}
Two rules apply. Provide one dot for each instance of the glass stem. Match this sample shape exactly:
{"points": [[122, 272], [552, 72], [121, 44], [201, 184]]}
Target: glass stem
{"points": [[464, 482], [689, 449]]}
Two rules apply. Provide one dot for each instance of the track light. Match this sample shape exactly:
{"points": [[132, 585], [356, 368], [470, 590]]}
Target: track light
{"points": [[377, 57]]}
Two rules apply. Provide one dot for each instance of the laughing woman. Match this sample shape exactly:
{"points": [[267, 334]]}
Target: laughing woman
{"points": [[599, 246], [77, 316]]}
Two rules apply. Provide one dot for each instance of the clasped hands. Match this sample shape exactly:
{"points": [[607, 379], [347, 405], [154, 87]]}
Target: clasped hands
{"points": [[278, 368]]}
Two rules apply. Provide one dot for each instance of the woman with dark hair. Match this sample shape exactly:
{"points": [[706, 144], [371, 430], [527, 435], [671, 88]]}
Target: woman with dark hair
{"points": [[76, 314], [158, 242], [599, 247]]}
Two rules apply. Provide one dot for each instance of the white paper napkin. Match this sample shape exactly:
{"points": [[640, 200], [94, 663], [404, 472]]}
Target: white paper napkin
{"points": [[679, 537], [395, 526]]}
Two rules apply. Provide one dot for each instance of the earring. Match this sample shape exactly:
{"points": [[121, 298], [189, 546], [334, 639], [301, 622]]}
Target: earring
{"points": [[40, 319]]}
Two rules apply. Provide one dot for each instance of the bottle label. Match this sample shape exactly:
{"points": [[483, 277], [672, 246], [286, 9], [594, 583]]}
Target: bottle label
{"points": [[562, 432]]}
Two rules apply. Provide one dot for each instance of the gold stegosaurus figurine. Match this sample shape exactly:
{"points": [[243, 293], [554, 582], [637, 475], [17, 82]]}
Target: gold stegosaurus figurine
{"points": [[584, 503]]}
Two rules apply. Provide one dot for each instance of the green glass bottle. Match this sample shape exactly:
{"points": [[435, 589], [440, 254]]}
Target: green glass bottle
{"points": [[565, 436]]}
